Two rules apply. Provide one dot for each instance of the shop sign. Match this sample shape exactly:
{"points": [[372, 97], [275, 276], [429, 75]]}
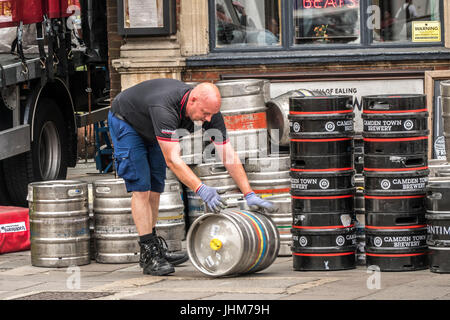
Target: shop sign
{"points": [[322, 4]]}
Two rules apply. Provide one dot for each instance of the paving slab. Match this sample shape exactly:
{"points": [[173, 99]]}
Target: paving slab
{"points": [[247, 296], [161, 295]]}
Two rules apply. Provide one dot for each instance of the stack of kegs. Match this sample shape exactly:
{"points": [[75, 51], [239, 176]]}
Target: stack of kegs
{"points": [[395, 175], [322, 182]]}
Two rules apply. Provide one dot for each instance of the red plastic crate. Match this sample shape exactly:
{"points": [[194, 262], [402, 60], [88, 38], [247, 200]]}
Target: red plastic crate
{"points": [[14, 229]]}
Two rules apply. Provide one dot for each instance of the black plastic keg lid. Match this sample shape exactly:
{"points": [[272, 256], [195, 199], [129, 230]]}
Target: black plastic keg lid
{"points": [[322, 104], [397, 102]]}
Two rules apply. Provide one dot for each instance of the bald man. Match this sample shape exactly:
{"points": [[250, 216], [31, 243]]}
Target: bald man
{"points": [[143, 123]]}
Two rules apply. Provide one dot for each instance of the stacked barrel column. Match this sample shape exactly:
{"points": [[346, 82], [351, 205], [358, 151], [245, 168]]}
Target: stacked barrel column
{"points": [[395, 175], [322, 182]]}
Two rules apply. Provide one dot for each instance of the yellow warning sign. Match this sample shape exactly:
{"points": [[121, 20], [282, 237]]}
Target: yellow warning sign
{"points": [[426, 31]]}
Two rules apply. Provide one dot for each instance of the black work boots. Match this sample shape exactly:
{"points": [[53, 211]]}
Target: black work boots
{"points": [[156, 260], [152, 259]]}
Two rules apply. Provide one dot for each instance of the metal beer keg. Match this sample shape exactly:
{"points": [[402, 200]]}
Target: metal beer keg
{"points": [[277, 116], [438, 224], [171, 223], [244, 111], [59, 223], [115, 232], [233, 242]]}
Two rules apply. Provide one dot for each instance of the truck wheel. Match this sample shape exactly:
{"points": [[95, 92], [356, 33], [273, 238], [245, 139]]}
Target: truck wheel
{"points": [[48, 158]]}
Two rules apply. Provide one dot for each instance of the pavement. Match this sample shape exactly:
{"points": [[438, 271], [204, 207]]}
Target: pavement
{"points": [[19, 280]]}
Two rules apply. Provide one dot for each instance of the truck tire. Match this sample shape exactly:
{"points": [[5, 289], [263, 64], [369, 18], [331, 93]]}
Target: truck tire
{"points": [[4, 195], [48, 157]]}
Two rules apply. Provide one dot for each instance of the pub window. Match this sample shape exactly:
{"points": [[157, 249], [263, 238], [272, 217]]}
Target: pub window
{"points": [[247, 23], [300, 24], [399, 19], [326, 22]]}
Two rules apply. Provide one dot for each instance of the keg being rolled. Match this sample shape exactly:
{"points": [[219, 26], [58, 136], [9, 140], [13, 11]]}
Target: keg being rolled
{"points": [[233, 242]]}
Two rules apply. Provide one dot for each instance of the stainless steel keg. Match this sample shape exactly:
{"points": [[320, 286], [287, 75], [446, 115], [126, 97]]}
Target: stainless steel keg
{"points": [[277, 116], [115, 232], [59, 223], [233, 242], [171, 223], [244, 111]]}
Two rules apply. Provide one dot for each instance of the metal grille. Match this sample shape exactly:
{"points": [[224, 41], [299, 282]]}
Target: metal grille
{"points": [[61, 295]]}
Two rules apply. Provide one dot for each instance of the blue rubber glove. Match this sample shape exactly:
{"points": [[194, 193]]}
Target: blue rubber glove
{"points": [[211, 198], [254, 202]]}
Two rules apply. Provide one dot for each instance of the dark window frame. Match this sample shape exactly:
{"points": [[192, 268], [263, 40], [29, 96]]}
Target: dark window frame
{"points": [[287, 33]]}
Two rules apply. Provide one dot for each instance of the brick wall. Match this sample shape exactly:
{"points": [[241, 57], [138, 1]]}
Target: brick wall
{"points": [[114, 43]]}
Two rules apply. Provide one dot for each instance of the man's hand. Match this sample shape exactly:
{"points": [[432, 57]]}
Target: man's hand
{"points": [[211, 198], [254, 202]]}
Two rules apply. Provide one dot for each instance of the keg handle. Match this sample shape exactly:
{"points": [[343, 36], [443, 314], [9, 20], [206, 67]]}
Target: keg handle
{"points": [[103, 190], [412, 162], [380, 105], [298, 163], [217, 169], [219, 191], [435, 196], [74, 192], [251, 88]]}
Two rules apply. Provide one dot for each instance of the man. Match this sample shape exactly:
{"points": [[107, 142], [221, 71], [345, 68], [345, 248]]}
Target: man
{"points": [[143, 121]]}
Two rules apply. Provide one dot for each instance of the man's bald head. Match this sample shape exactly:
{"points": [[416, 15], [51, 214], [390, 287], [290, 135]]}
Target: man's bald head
{"points": [[204, 101]]}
